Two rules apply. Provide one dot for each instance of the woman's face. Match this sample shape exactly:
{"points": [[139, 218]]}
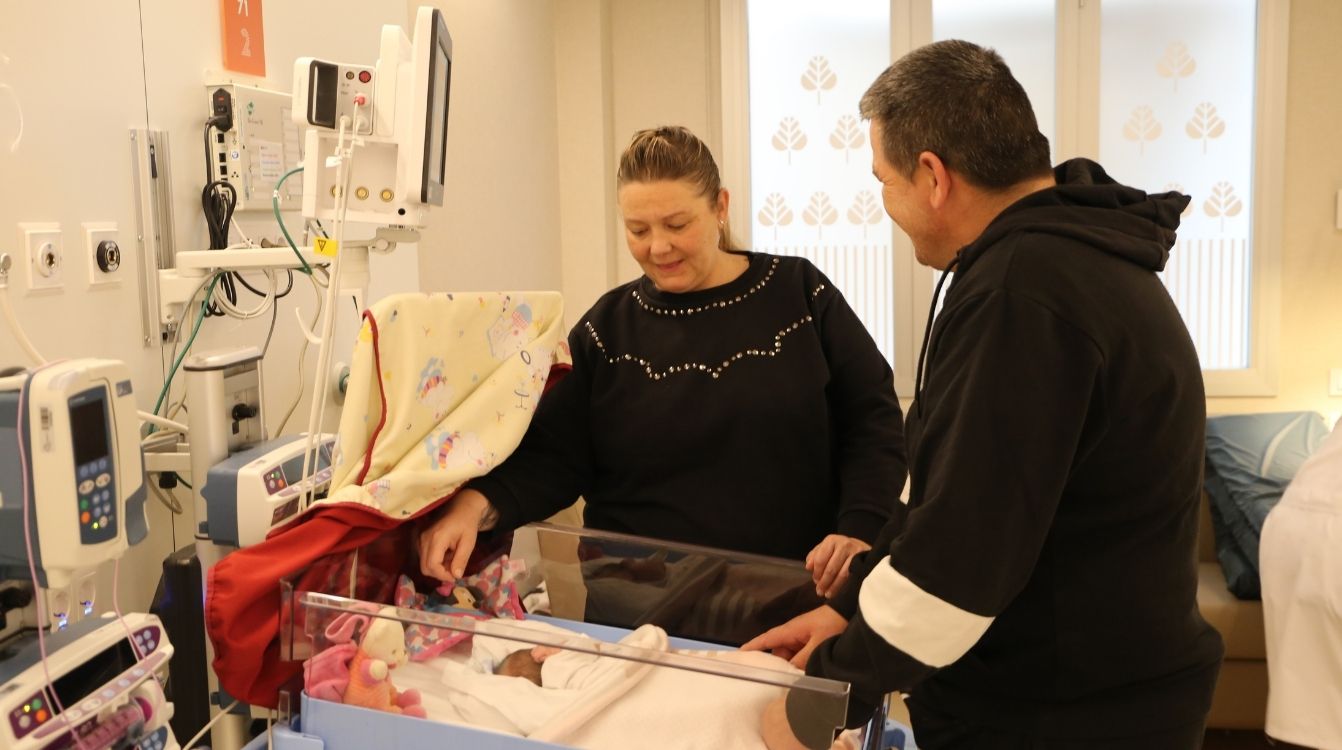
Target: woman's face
{"points": [[673, 232]]}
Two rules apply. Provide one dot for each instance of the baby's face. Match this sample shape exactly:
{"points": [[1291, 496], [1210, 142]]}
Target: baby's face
{"points": [[520, 664]]}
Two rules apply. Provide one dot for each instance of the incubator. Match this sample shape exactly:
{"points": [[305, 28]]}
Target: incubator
{"points": [[628, 642]]}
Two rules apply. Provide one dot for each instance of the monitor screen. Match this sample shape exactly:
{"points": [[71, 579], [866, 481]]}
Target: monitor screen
{"points": [[95, 672], [435, 129], [88, 430]]}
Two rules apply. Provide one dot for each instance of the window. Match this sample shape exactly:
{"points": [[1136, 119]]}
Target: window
{"points": [[811, 189], [1167, 94]]}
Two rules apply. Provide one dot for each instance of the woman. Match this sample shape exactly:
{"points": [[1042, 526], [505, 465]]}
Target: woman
{"points": [[725, 398]]}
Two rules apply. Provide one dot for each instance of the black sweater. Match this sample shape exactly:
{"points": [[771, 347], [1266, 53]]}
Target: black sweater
{"points": [[1044, 579], [757, 416]]}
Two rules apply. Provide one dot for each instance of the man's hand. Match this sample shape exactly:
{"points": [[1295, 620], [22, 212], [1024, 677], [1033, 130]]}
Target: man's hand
{"points": [[795, 639], [829, 561], [449, 540]]}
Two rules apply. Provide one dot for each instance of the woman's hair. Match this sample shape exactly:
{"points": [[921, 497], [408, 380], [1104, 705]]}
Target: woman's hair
{"points": [[673, 153]]}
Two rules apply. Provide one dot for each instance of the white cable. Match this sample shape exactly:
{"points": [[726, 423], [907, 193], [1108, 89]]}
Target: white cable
{"points": [[24, 342], [344, 168], [163, 422], [302, 354], [247, 241], [221, 299], [222, 713]]}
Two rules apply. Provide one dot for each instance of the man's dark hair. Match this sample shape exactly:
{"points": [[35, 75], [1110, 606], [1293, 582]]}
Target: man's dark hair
{"points": [[959, 101]]}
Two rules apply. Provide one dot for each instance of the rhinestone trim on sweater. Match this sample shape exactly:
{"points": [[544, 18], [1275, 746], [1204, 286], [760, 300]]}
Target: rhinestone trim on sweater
{"points": [[711, 305], [714, 370]]}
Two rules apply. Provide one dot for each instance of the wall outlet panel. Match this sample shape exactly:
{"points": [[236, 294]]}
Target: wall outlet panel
{"points": [[96, 233], [43, 254], [263, 144]]}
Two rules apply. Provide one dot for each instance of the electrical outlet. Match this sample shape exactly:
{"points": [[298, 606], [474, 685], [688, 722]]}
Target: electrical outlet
{"points": [[102, 248], [1335, 381], [42, 240]]}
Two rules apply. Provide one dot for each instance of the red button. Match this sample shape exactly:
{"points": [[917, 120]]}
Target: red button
{"points": [[84, 517], [365, 76], [41, 716]]}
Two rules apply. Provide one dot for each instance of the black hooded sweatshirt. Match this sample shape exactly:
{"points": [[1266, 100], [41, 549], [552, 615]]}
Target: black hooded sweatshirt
{"points": [[1043, 578]]}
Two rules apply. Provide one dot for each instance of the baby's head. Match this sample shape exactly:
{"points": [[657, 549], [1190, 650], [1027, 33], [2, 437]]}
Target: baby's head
{"points": [[520, 664]]}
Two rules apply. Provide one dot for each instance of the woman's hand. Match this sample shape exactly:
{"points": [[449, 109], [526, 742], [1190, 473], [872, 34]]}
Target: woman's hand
{"points": [[795, 639], [446, 544], [829, 561]]}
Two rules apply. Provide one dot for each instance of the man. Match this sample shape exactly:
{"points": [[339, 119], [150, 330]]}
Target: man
{"points": [[1039, 590]]}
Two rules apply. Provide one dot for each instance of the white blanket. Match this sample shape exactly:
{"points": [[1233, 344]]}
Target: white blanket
{"points": [[594, 702]]}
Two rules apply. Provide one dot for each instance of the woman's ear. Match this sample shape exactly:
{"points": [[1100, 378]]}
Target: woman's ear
{"points": [[724, 200]]}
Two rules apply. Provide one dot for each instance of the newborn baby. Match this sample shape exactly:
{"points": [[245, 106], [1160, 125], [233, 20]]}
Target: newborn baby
{"points": [[525, 663]]}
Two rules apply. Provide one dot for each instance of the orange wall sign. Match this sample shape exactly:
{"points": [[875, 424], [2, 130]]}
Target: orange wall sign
{"points": [[244, 39]]}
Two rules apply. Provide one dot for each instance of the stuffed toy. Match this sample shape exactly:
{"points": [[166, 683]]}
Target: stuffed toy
{"points": [[359, 674]]}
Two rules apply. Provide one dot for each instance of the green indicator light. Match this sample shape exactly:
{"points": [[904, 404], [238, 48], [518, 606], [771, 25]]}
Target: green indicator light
{"points": [[83, 505], [37, 703]]}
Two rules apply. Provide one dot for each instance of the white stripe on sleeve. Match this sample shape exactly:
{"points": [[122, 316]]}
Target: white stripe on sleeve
{"points": [[929, 629]]}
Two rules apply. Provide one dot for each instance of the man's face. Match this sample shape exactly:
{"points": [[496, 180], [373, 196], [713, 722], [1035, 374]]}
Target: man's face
{"points": [[905, 201]]}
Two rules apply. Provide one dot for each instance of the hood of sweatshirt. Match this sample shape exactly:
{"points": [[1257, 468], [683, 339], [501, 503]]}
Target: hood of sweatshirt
{"points": [[1088, 205]]}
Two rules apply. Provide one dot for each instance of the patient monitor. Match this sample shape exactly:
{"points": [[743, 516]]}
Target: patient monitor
{"points": [[398, 109], [71, 471]]}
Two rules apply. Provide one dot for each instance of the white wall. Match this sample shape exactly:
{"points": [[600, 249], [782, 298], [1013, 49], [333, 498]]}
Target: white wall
{"points": [[124, 65], [499, 227]]}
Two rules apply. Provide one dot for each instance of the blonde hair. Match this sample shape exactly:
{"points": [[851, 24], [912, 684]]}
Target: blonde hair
{"points": [[671, 152]]}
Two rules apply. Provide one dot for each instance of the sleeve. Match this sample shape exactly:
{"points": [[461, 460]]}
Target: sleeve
{"points": [[552, 466], [869, 426], [1013, 385]]}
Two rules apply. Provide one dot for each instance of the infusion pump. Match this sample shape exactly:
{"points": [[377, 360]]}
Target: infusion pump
{"points": [[71, 470], [105, 685]]}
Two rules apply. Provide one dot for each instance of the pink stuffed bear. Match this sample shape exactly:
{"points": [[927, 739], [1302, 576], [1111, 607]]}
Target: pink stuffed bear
{"points": [[381, 650]]}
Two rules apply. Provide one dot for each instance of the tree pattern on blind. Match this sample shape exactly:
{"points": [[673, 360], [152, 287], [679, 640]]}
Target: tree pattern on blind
{"points": [[847, 136], [1176, 63], [789, 137], [1176, 187], [819, 213], [866, 211], [1206, 123], [775, 213], [1222, 203], [1142, 126], [818, 76]]}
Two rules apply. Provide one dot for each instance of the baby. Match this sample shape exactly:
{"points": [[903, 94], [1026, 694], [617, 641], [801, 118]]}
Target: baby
{"points": [[525, 663]]}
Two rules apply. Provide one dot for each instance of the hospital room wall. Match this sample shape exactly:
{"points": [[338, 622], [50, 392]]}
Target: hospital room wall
{"points": [[499, 225], [65, 124], [646, 90]]}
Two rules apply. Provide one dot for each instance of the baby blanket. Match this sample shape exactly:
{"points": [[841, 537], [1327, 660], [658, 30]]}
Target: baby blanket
{"points": [[442, 388]]}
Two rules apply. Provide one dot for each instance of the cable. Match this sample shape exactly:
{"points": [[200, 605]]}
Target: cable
{"points": [[24, 342], [167, 382], [275, 204], [32, 568], [116, 607], [222, 713], [274, 316], [302, 354], [168, 500], [228, 304], [163, 422], [344, 169]]}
